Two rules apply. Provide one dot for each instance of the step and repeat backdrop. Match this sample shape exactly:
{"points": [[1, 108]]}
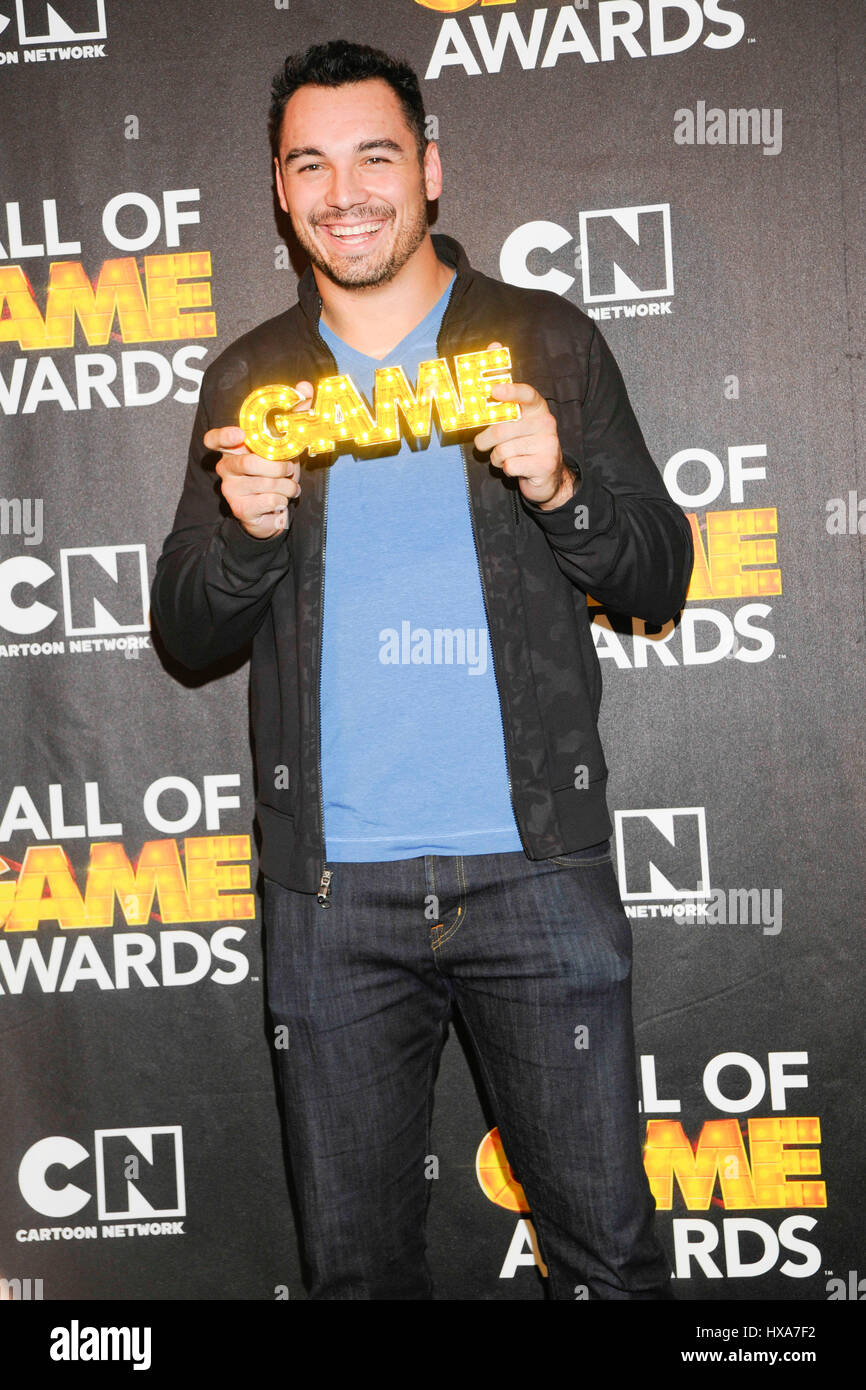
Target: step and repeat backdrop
{"points": [[688, 172]]}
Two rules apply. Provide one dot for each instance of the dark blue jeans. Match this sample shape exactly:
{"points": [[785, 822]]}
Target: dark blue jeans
{"points": [[528, 952]]}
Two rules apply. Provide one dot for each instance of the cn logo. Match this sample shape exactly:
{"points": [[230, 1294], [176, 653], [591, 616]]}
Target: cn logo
{"points": [[103, 590], [662, 854], [625, 253], [139, 1173], [60, 21]]}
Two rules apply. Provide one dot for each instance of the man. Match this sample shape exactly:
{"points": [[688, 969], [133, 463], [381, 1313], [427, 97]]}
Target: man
{"points": [[434, 826]]}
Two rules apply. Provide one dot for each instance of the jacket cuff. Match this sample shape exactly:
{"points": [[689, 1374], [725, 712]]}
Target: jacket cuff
{"points": [[587, 512], [246, 555]]}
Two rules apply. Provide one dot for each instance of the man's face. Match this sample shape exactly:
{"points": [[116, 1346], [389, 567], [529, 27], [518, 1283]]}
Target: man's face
{"points": [[348, 176]]}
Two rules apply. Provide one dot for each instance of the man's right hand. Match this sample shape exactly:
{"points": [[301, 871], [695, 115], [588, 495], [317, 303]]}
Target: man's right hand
{"points": [[257, 490]]}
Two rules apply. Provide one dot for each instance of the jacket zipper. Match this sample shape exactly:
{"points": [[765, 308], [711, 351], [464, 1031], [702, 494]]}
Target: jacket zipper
{"points": [[327, 874], [324, 889], [464, 450]]}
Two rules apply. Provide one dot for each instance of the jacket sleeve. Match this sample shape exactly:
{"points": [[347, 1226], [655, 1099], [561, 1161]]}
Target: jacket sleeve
{"points": [[621, 537], [213, 581]]}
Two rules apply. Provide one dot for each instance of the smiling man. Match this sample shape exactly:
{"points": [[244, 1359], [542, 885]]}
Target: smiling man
{"points": [[434, 824], [389, 235]]}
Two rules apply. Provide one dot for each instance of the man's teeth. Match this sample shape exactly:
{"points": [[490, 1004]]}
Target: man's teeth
{"points": [[362, 229]]}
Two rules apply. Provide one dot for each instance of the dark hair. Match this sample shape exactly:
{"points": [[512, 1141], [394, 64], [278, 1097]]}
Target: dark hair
{"points": [[336, 63]]}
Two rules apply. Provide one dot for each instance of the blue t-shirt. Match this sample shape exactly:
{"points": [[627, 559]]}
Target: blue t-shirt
{"points": [[413, 752]]}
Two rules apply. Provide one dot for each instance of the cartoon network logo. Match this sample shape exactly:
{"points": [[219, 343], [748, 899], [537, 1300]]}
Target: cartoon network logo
{"points": [[97, 591], [662, 854], [61, 22], [663, 867], [138, 1174], [622, 254]]}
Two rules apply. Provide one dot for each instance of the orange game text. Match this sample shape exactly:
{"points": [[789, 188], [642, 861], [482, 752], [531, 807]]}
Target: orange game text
{"points": [[777, 1176], [208, 889], [167, 304]]}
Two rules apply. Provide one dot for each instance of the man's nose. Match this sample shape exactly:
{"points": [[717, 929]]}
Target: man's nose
{"points": [[347, 187]]}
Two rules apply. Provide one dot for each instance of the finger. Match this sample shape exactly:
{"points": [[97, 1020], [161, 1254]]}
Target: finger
{"points": [[242, 464], [502, 432], [247, 486], [268, 524], [252, 510], [266, 487], [517, 391], [225, 439], [517, 458], [305, 389]]}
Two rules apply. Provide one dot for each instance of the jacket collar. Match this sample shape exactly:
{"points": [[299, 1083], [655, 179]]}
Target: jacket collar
{"points": [[447, 248]]}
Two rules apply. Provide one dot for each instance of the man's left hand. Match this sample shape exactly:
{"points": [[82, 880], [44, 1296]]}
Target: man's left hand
{"points": [[528, 449]]}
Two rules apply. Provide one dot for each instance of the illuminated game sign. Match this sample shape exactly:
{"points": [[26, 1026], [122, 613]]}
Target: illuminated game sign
{"points": [[341, 415]]}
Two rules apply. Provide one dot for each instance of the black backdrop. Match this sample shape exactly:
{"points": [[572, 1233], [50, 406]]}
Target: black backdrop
{"points": [[695, 183]]}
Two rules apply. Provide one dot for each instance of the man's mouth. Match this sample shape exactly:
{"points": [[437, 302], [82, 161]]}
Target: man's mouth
{"points": [[353, 233]]}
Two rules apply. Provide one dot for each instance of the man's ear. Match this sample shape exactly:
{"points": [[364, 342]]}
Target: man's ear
{"points": [[281, 192], [432, 171]]}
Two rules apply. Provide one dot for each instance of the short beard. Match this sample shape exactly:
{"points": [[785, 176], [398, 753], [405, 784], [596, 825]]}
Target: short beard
{"points": [[365, 272]]}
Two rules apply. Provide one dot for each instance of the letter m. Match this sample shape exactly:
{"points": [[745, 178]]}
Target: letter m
{"points": [[719, 1154], [117, 292], [744, 127], [158, 871]]}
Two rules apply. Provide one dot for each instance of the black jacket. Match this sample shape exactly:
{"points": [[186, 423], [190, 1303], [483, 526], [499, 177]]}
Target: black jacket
{"points": [[216, 587]]}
